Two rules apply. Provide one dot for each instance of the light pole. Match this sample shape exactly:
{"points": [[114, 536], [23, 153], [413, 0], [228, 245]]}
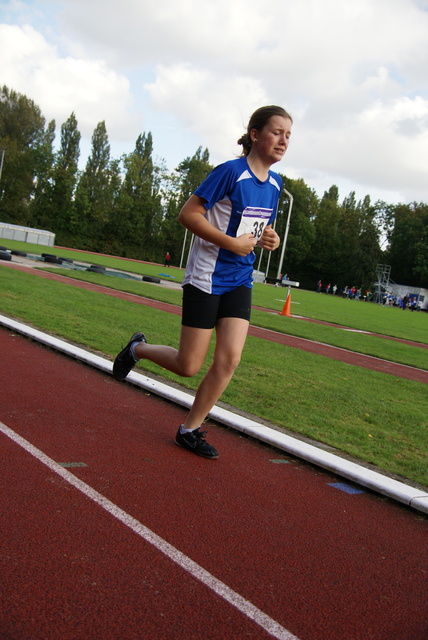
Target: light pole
{"points": [[184, 246], [269, 253], [1, 161], [287, 227]]}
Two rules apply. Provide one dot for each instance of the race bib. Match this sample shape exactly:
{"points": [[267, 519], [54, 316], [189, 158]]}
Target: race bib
{"points": [[254, 220]]}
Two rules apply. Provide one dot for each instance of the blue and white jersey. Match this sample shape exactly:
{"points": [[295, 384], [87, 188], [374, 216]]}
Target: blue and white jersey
{"points": [[236, 202]]}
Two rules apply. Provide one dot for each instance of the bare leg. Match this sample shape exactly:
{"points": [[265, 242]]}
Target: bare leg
{"points": [[230, 340], [187, 359]]}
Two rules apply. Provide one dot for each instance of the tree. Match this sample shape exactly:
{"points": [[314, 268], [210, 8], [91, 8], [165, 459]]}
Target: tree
{"points": [[23, 139], [60, 209], [43, 180], [93, 197], [358, 238], [190, 173], [324, 255], [301, 233], [193, 172], [129, 206], [171, 232], [407, 252], [138, 216]]}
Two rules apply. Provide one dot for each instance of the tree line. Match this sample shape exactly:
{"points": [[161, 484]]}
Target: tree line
{"points": [[129, 206]]}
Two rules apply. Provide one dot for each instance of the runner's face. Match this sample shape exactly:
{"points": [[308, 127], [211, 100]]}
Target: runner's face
{"points": [[272, 141]]}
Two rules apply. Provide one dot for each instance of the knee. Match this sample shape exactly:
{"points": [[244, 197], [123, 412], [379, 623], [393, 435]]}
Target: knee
{"points": [[234, 362], [189, 369], [228, 366]]}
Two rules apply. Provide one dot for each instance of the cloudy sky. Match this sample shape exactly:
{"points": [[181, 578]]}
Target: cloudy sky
{"points": [[353, 75]]}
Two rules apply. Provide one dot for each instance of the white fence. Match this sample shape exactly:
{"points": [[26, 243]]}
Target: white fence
{"points": [[26, 234]]}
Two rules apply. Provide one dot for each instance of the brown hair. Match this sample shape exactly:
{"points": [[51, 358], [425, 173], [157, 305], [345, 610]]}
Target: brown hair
{"points": [[257, 121]]}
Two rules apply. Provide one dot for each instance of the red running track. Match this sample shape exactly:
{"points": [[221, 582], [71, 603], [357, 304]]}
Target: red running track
{"points": [[262, 545]]}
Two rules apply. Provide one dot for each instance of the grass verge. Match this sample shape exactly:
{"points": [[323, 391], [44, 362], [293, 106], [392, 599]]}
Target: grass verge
{"points": [[374, 417], [357, 340]]}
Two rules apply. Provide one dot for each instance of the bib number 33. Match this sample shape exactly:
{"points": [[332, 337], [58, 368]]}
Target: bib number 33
{"points": [[254, 220]]}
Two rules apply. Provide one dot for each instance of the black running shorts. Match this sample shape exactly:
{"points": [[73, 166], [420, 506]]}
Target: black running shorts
{"points": [[202, 310]]}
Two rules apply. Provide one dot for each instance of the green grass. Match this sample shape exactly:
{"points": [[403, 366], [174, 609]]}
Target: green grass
{"points": [[111, 262], [374, 417], [358, 315], [360, 342], [334, 335], [364, 316]]}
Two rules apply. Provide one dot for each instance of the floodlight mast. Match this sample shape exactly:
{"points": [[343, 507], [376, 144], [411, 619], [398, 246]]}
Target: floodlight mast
{"points": [[184, 246], [287, 227], [269, 253], [1, 161]]}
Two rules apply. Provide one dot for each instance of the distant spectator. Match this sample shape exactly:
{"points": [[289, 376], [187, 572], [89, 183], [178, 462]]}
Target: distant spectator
{"points": [[284, 280], [167, 259], [319, 286]]}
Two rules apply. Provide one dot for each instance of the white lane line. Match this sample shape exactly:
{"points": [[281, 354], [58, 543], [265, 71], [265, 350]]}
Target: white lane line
{"points": [[194, 569]]}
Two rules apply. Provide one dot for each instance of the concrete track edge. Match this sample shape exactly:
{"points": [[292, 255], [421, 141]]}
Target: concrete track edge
{"points": [[399, 491]]}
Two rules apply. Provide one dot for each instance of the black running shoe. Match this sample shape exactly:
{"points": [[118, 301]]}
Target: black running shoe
{"points": [[124, 361], [194, 441]]}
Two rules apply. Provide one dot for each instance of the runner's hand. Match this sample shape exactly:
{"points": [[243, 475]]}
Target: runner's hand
{"points": [[270, 239], [243, 245]]}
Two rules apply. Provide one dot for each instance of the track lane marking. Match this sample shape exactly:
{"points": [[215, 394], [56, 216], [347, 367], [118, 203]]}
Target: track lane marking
{"points": [[195, 570]]}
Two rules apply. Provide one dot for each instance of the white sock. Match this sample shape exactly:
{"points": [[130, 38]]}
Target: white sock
{"points": [[183, 430], [132, 350]]}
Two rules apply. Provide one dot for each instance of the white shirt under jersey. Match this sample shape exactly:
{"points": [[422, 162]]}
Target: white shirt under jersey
{"points": [[236, 202]]}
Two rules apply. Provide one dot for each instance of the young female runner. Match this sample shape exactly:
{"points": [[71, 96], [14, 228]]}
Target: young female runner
{"points": [[230, 213]]}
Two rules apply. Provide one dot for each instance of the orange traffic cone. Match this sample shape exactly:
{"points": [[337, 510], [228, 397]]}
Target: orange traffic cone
{"points": [[286, 309]]}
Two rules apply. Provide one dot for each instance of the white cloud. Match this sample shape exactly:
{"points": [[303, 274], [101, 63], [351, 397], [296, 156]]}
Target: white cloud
{"points": [[217, 116], [60, 85], [352, 74]]}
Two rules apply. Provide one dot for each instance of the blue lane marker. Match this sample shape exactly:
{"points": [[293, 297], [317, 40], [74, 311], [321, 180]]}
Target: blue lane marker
{"points": [[281, 461], [347, 488]]}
